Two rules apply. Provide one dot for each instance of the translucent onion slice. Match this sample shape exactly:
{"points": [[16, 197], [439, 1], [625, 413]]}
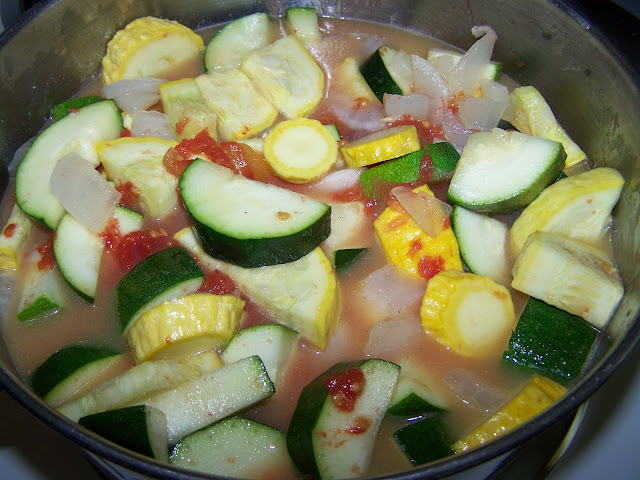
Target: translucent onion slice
{"points": [[83, 192], [480, 113], [151, 124], [474, 392], [337, 181], [134, 94], [454, 131], [428, 212], [468, 73], [414, 105], [391, 291], [427, 80], [393, 334]]}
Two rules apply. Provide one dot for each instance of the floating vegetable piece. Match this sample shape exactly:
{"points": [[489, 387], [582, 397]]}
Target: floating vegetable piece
{"points": [[444, 156], [425, 209], [42, 293], [303, 23], [12, 239], [533, 116], [148, 47], [300, 150], [287, 75], [351, 81], [569, 274], [379, 146], [140, 428], [538, 395], [412, 249], [502, 171], [578, 206], [187, 109], [351, 227], [140, 381], [254, 224], [63, 109], [414, 396], [550, 341], [241, 110], [388, 71], [424, 441], [469, 313], [343, 259], [302, 295], [405, 169], [139, 161], [185, 325]]}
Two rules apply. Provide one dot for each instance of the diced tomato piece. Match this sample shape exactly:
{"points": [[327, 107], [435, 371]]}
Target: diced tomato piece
{"points": [[130, 195], [345, 388], [174, 162], [9, 230], [138, 245], [111, 234], [180, 126], [430, 266], [125, 133], [217, 283], [48, 260]]}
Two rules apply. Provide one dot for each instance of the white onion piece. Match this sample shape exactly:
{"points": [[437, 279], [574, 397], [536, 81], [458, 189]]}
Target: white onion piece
{"points": [[414, 105], [151, 124], [134, 94], [338, 181], [474, 392], [428, 212], [480, 113], [370, 44], [467, 74], [427, 80], [437, 107], [393, 334], [444, 65], [391, 291], [498, 93], [455, 133], [83, 192]]}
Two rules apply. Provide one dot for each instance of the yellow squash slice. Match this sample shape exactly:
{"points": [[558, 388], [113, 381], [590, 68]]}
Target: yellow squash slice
{"points": [[469, 313], [538, 395], [380, 146], [186, 109], [149, 47], [185, 325], [411, 248], [12, 239]]}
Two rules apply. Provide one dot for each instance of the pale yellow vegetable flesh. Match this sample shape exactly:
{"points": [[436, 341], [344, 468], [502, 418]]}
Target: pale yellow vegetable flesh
{"points": [[12, 239], [186, 109], [380, 146]]}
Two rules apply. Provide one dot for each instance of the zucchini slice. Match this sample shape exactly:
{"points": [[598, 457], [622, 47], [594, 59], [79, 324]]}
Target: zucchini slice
{"points": [[235, 40], [382, 145], [235, 447], [74, 133], [550, 342], [425, 440], [501, 171], [42, 293], [65, 108], [405, 169], [388, 71], [140, 428], [186, 109], [327, 440], [253, 224], [303, 23]]}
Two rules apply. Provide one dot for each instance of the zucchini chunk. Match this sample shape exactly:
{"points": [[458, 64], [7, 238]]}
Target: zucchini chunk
{"points": [[149, 47], [550, 342], [414, 395], [77, 133], [469, 313], [303, 23], [200, 402], [140, 428], [241, 110], [185, 325], [42, 293], [165, 275], [578, 206], [272, 342], [332, 436], [501, 171], [379, 146], [63, 109], [302, 295], [425, 440], [538, 395], [235, 40], [483, 242], [67, 372], [253, 224], [351, 81], [235, 447], [186, 109], [569, 274], [140, 381], [388, 71], [286, 75], [343, 259], [13, 239], [300, 150], [405, 169]]}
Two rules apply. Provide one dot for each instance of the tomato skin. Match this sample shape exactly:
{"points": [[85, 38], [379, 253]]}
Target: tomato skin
{"points": [[48, 260], [345, 388], [138, 245]]}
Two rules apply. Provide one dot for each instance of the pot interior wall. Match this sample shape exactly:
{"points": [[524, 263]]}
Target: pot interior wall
{"points": [[56, 49]]}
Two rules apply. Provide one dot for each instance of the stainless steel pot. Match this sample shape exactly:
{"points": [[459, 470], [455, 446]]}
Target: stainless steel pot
{"points": [[582, 56]]}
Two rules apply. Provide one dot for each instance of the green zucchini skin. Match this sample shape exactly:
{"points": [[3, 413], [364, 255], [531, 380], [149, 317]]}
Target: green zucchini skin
{"points": [[550, 341], [424, 441], [378, 77]]}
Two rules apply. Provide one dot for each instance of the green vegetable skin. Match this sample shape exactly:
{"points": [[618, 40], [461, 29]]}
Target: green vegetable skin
{"points": [[378, 77], [550, 341], [405, 169], [424, 441], [63, 109]]}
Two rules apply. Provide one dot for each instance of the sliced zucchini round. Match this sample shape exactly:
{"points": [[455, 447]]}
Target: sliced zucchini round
{"points": [[248, 223]]}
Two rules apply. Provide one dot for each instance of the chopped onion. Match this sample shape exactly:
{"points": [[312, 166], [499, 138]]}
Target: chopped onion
{"points": [[338, 181], [455, 133], [469, 71], [428, 212], [369, 46], [480, 113], [83, 192], [393, 334], [414, 105], [391, 291], [437, 107], [151, 124], [474, 392], [427, 80], [134, 94], [498, 93]]}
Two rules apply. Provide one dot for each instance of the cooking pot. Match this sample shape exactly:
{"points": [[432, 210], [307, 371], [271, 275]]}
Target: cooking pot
{"points": [[582, 56]]}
